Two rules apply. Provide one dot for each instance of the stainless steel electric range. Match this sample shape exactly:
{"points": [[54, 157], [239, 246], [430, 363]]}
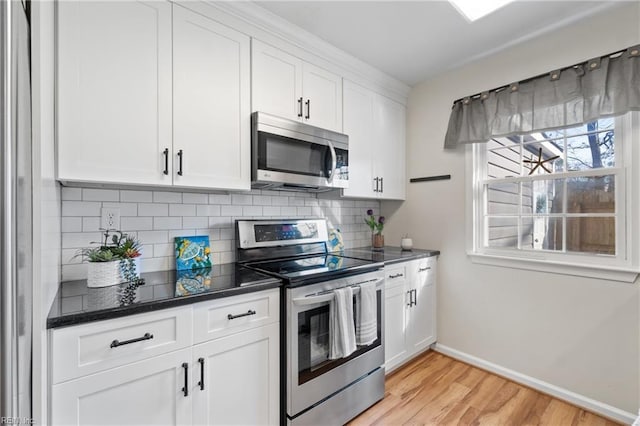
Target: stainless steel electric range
{"points": [[315, 389]]}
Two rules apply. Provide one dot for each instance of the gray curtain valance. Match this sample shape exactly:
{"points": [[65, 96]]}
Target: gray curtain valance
{"points": [[601, 87]]}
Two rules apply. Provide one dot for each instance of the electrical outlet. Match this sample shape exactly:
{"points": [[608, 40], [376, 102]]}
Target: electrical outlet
{"points": [[110, 218]]}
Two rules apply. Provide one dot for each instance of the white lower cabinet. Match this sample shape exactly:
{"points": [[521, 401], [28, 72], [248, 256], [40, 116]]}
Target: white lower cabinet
{"points": [[236, 379], [142, 393], [229, 380], [410, 310]]}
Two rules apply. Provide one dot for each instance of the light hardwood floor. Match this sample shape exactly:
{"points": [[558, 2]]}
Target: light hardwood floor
{"points": [[434, 389]]}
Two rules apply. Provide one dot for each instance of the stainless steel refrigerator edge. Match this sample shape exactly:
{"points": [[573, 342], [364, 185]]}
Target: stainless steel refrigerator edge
{"points": [[16, 212]]}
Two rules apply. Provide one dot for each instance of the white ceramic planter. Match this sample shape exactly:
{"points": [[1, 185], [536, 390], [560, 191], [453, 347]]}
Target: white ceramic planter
{"points": [[103, 274]]}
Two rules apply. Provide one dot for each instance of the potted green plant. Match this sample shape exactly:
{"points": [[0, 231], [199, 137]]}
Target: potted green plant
{"points": [[376, 226], [113, 261]]}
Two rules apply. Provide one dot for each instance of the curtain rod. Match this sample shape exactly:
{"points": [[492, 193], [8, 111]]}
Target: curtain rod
{"points": [[537, 76]]}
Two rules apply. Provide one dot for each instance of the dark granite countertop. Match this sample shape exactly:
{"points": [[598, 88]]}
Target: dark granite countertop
{"points": [[76, 303], [389, 255]]}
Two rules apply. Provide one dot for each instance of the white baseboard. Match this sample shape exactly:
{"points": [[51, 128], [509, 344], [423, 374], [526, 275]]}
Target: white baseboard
{"points": [[555, 391]]}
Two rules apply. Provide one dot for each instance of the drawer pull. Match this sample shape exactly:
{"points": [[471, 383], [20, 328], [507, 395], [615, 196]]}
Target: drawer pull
{"points": [[116, 343], [424, 269], [185, 389], [201, 382], [246, 314], [398, 275]]}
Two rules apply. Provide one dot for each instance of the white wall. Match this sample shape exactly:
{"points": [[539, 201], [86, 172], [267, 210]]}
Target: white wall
{"points": [[576, 333]]}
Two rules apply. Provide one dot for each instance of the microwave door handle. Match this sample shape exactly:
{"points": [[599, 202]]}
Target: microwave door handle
{"points": [[334, 161]]}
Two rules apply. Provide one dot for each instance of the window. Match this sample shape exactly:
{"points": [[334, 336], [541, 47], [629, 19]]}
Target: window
{"points": [[561, 196]]}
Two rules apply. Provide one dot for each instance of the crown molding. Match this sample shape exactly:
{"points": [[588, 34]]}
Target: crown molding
{"points": [[264, 25]]}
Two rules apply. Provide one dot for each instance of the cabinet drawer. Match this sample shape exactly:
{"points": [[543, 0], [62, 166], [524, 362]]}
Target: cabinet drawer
{"points": [[394, 275], [426, 266], [89, 348], [233, 314]]}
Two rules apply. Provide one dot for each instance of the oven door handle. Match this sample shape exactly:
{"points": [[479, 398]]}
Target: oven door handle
{"points": [[326, 296]]}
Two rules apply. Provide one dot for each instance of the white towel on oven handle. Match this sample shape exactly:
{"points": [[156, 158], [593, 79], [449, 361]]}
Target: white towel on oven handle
{"points": [[366, 314], [342, 336]]}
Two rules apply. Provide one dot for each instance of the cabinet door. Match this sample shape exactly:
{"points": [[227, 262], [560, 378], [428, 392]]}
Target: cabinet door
{"points": [[241, 379], [395, 309], [390, 154], [322, 93], [211, 94], [114, 91], [148, 392], [359, 125], [276, 81], [422, 313]]}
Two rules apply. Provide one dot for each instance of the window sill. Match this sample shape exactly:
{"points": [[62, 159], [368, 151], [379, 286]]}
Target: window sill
{"points": [[627, 275]]}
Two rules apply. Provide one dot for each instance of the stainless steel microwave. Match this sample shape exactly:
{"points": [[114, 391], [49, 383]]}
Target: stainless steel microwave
{"points": [[290, 155]]}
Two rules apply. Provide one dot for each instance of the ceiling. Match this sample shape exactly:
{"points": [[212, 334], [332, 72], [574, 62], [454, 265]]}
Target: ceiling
{"points": [[415, 40]]}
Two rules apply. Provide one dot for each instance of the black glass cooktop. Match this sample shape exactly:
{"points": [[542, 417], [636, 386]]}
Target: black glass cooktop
{"points": [[314, 266]]}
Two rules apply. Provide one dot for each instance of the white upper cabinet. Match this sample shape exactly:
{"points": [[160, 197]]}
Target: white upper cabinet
{"points": [[276, 81], [390, 158], [322, 92], [114, 91], [359, 104], [376, 129], [147, 98], [289, 87], [211, 103]]}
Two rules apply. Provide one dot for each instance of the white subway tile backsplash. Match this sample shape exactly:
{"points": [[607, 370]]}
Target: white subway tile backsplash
{"points": [[303, 211], [153, 237], [195, 222], [89, 194], [226, 233], [189, 198], [71, 224], [167, 197], [126, 209], [136, 223], [90, 224], [80, 208], [160, 223], [71, 194], [262, 200], [241, 199], [157, 217], [80, 239], [163, 250], [271, 211], [153, 209], [220, 222], [220, 245], [280, 201], [182, 210], [252, 211], [208, 210], [219, 199], [231, 210], [136, 196]]}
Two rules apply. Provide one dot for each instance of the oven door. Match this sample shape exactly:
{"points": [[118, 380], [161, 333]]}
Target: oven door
{"points": [[311, 375]]}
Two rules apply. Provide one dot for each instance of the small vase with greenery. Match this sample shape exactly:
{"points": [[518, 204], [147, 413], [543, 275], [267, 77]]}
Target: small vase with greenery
{"points": [[113, 261], [376, 226]]}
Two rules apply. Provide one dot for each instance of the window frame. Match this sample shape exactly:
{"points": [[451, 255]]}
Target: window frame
{"points": [[624, 266]]}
